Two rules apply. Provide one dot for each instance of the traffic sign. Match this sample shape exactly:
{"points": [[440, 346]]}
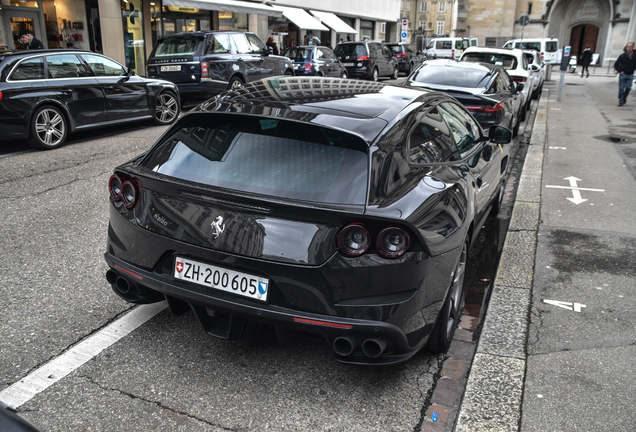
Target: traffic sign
{"points": [[405, 23], [404, 35]]}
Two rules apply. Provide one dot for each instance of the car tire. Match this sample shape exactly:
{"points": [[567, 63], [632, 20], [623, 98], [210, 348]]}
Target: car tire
{"points": [[289, 73], [49, 128], [496, 205], [374, 74], [396, 73], [448, 318], [167, 108], [343, 75], [235, 83], [535, 94]]}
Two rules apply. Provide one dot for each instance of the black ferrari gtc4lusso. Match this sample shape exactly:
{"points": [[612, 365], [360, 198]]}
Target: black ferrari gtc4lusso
{"points": [[340, 208]]}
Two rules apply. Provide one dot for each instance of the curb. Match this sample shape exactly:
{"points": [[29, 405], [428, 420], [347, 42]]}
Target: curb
{"points": [[494, 392]]}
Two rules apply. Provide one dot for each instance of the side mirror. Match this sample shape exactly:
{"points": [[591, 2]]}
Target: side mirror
{"points": [[499, 135], [535, 68], [520, 86]]}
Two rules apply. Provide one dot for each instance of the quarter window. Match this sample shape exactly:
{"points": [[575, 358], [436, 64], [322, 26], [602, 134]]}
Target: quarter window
{"points": [[430, 140], [462, 127], [29, 70]]}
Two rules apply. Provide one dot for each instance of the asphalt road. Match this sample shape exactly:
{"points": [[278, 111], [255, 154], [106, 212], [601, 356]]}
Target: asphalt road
{"points": [[168, 374]]}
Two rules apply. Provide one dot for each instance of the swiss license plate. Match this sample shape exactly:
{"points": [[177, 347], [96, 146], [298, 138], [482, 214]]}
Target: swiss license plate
{"points": [[231, 281], [171, 68], [348, 64]]}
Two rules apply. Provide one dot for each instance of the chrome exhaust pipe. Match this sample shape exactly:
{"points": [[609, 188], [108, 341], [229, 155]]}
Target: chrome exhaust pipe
{"points": [[373, 348], [111, 277], [345, 345], [122, 285]]}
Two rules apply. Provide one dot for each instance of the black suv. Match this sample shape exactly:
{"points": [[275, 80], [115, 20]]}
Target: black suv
{"points": [[203, 64], [367, 59], [408, 57]]}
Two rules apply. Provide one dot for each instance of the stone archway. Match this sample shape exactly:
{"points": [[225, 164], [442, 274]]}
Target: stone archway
{"points": [[579, 23]]}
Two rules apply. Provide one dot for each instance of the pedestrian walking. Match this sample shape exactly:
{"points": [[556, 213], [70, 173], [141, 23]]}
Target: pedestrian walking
{"points": [[272, 45], [585, 59], [625, 65], [29, 41]]}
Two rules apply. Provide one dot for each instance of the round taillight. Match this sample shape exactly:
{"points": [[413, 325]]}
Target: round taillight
{"points": [[129, 194], [114, 187], [393, 242], [354, 240]]}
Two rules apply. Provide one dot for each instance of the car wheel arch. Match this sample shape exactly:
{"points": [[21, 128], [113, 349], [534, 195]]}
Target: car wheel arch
{"points": [[70, 121]]}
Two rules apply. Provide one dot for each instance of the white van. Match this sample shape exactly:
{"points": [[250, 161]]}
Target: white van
{"points": [[447, 47], [548, 47]]}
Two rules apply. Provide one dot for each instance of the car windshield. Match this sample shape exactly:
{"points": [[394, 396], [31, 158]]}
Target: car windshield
{"points": [[345, 50], [298, 54], [452, 76], [177, 46], [529, 45], [265, 156], [508, 62]]}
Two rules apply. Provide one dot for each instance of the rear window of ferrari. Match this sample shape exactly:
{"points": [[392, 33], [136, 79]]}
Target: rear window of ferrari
{"points": [[271, 157]]}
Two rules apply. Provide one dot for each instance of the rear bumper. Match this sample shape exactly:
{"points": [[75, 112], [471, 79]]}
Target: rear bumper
{"points": [[201, 91]]}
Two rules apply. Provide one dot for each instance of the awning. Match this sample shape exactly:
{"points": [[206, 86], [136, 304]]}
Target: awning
{"points": [[302, 19], [228, 6], [333, 22]]}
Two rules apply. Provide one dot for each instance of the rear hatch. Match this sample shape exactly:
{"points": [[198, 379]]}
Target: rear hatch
{"points": [[175, 58], [254, 187], [299, 56], [352, 56]]}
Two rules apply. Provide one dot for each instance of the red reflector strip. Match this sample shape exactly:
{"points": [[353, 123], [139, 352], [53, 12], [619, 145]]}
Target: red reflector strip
{"points": [[401, 55], [322, 323], [0, 95], [474, 108], [361, 58], [519, 79], [129, 272]]}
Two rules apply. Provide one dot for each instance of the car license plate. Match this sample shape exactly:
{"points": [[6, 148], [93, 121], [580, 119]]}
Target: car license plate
{"points": [[231, 281], [171, 68], [348, 64]]}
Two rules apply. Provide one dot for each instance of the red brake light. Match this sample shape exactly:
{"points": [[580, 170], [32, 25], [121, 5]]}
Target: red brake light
{"points": [[129, 194], [0, 95], [494, 108], [361, 58], [308, 66], [114, 187], [519, 79], [542, 54], [393, 242], [354, 240], [204, 70], [401, 55]]}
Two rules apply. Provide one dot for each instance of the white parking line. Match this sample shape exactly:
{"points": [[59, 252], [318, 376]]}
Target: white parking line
{"points": [[47, 375]]}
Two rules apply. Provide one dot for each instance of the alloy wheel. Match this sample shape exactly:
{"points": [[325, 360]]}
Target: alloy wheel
{"points": [[50, 128], [167, 108]]}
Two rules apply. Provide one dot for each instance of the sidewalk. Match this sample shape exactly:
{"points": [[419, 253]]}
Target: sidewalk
{"points": [[558, 347]]}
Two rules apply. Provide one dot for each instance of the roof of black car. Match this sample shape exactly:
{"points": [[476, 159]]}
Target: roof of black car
{"points": [[367, 106], [42, 51], [201, 33]]}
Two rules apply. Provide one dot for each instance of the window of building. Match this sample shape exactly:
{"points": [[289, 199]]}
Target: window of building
{"points": [[441, 6], [408, 6], [440, 27], [422, 25], [424, 7]]}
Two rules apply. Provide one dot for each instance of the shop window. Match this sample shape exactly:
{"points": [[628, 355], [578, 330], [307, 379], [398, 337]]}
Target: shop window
{"points": [[232, 21], [21, 3], [65, 22], [134, 35]]}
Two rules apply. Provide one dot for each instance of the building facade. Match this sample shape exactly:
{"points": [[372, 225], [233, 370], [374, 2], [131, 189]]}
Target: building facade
{"points": [[126, 30], [429, 19]]}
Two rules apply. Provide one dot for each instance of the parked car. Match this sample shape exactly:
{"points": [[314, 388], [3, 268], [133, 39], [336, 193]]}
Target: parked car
{"points": [[205, 63], [487, 91], [367, 60], [512, 60], [313, 60], [447, 47], [547, 47], [47, 94], [408, 57], [320, 205], [538, 70]]}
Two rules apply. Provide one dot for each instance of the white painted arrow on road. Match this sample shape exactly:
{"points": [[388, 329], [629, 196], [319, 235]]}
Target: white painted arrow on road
{"points": [[576, 307], [576, 190]]}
